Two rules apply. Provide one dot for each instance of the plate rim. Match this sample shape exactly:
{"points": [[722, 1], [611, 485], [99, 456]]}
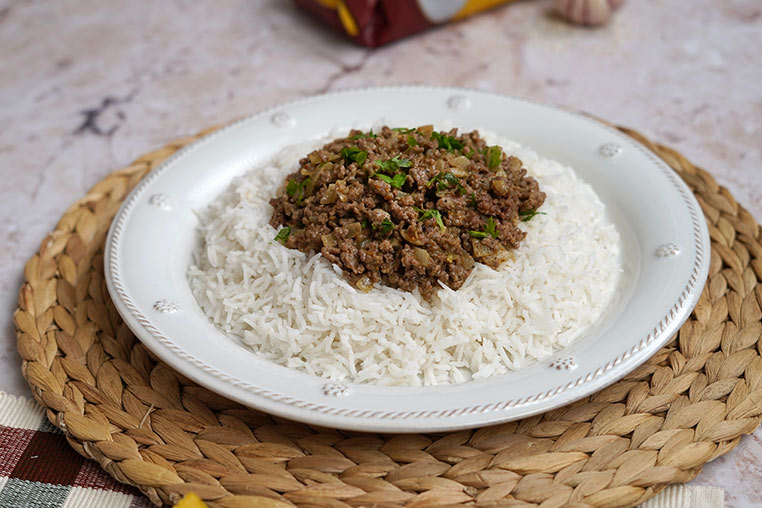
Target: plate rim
{"points": [[321, 413]]}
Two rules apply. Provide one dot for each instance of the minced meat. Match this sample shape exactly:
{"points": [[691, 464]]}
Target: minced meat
{"points": [[407, 207]]}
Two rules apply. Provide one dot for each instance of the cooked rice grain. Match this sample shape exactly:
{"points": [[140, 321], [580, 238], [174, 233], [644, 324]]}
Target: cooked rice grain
{"points": [[299, 311]]}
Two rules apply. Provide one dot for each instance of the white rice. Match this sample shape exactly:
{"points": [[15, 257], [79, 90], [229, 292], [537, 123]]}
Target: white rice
{"points": [[298, 310]]}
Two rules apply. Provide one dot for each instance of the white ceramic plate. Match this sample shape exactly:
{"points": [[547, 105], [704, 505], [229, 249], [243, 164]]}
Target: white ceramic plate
{"points": [[665, 238]]}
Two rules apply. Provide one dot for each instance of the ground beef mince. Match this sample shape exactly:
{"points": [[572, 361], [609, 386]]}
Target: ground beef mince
{"points": [[407, 207]]}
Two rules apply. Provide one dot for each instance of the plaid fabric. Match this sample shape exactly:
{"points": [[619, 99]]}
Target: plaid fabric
{"points": [[38, 468]]}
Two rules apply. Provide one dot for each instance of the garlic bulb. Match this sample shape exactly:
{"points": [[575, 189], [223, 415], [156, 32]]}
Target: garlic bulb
{"points": [[587, 12]]}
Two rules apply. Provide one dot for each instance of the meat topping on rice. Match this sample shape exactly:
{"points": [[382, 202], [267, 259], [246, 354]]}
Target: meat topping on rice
{"points": [[407, 207]]}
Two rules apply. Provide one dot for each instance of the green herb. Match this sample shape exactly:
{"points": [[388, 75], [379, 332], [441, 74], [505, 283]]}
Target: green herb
{"points": [[401, 163], [411, 140], [445, 180], [365, 223], [385, 227], [403, 130], [283, 235], [393, 164], [300, 194], [431, 214], [397, 181], [383, 177], [490, 229], [473, 200], [352, 154], [294, 188], [369, 135], [470, 153], [527, 215], [494, 156], [446, 141]]}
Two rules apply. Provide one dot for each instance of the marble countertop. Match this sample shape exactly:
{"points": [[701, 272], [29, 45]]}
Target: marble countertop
{"points": [[87, 86]]}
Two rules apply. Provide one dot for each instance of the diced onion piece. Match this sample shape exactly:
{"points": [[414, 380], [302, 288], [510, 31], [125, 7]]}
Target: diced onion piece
{"points": [[460, 162], [467, 261], [329, 240], [364, 284], [422, 256], [329, 196], [426, 130], [310, 187], [514, 164], [500, 186], [353, 229], [498, 257], [411, 234], [481, 250]]}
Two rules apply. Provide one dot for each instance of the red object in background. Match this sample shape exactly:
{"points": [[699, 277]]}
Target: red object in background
{"points": [[370, 22]]}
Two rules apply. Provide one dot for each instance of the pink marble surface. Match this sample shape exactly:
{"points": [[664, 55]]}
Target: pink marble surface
{"points": [[86, 86]]}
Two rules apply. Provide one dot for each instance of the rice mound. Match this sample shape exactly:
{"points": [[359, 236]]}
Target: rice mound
{"points": [[298, 311]]}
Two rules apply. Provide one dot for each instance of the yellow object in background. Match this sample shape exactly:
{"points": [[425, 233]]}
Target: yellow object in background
{"points": [[345, 15], [377, 22], [191, 500], [474, 6]]}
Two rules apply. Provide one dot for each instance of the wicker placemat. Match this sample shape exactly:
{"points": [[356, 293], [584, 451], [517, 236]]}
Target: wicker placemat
{"points": [[150, 427]]}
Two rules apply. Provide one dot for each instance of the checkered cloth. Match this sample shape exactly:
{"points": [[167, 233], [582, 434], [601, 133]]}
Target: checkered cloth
{"points": [[38, 468]]}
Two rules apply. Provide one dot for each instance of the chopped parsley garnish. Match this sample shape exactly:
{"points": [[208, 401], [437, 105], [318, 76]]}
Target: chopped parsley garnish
{"points": [[385, 227], [369, 135], [283, 234], [383, 177], [494, 156], [403, 130], [445, 180], [397, 181], [393, 164], [446, 141], [473, 200], [352, 154], [527, 215], [365, 223], [490, 229], [411, 140], [294, 188], [431, 214], [470, 153]]}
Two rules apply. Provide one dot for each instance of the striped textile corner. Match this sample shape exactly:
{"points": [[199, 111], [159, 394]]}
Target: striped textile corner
{"points": [[38, 468]]}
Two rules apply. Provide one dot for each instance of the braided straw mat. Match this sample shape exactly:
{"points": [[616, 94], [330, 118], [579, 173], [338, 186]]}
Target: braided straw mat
{"points": [[151, 427]]}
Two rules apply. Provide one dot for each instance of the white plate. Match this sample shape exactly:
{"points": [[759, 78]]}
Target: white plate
{"points": [[666, 251]]}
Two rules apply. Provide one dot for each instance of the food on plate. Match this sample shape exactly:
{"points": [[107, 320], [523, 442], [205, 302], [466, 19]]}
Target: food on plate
{"points": [[409, 207], [298, 310]]}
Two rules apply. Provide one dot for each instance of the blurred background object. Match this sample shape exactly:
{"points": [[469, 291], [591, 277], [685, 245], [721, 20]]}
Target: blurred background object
{"points": [[587, 12], [376, 22]]}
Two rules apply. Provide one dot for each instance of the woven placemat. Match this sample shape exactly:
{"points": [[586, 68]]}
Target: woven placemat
{"points": [[150, 427]]}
